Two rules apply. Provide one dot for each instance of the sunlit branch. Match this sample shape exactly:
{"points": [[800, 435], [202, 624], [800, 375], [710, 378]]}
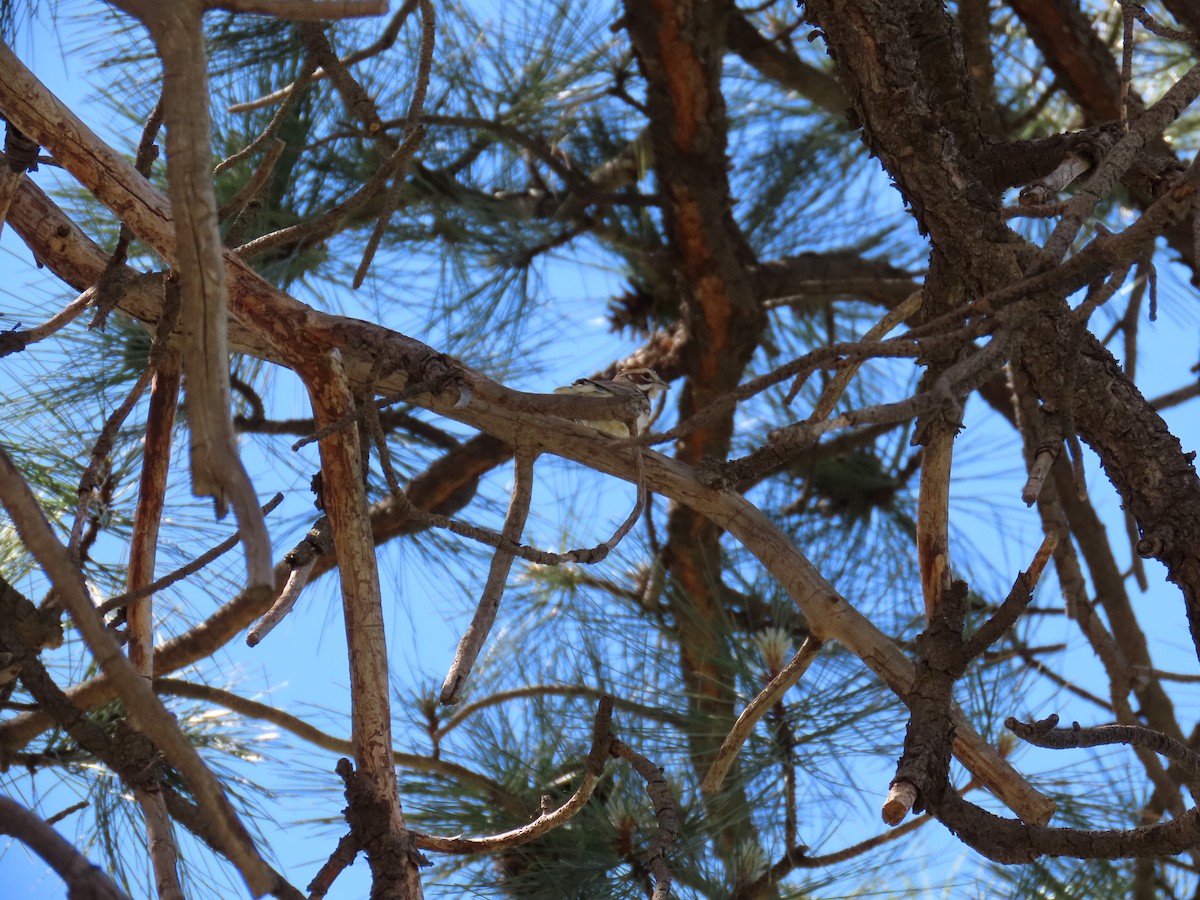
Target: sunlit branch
{"points": [[184, 571], [480, 627], [552, 690], [283, 604], [83, 879], [547, 821], [152, 717], [787, 678], [495, 792], [303, 10]]}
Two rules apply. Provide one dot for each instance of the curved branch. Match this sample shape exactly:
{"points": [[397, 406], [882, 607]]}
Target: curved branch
{"points": [[83, 879], [252, 708], [601, 741], [787, 678], [543, 690]]}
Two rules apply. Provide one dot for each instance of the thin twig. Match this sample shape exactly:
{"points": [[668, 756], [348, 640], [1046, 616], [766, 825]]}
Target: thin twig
{"points": [[291, 95], [799, 857], [1042, 669], [63, 813], [257, 180], [838, 384], [391, 202], [388, 421], [175, 687], [361, 413], [600, 551], [792, 440], [385, 41], [901, 346], [14, 341], [1168, 676], [355, 97], [328, 222], [1045, 734], [91, 476], [414, 138], [283, 605], [184, 571], [340, 860], [586, 555], [665, 813], [755, 710], [564, 690], [547, 821], [1014, 604], [1176, 397], [1078, 473], [303, 10], [477, 632], [1109, 171], [1155, 27], [536, 145], [153, 718]]}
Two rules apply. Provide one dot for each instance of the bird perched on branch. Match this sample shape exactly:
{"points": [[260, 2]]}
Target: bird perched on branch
{"points": [[637, 383]]}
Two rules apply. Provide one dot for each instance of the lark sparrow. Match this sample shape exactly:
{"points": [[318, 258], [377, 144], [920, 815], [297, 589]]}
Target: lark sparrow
{"points": [[638, 383]]}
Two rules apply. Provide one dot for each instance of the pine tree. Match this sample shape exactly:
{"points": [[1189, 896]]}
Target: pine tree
{"points": [[899, 262]]}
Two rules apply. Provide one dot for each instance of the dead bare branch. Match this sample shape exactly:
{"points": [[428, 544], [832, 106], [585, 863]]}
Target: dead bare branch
{"points": [[283, 603], [787, 678], [83, 879], [153, 718], [303, 10], [659, 792], [385, 41], [548, 820], [14, 341], [217, 470], [477, 632], [414, 136], [383, 831], [184, 571], [95, 471]]}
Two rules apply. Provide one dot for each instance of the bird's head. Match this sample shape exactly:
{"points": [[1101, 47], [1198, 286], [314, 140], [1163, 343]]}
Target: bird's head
{"points": [[645, 380]]}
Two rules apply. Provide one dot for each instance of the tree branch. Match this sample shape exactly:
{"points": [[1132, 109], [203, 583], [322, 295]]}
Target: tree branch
{"points": [[153, 718], [83, 879]]}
